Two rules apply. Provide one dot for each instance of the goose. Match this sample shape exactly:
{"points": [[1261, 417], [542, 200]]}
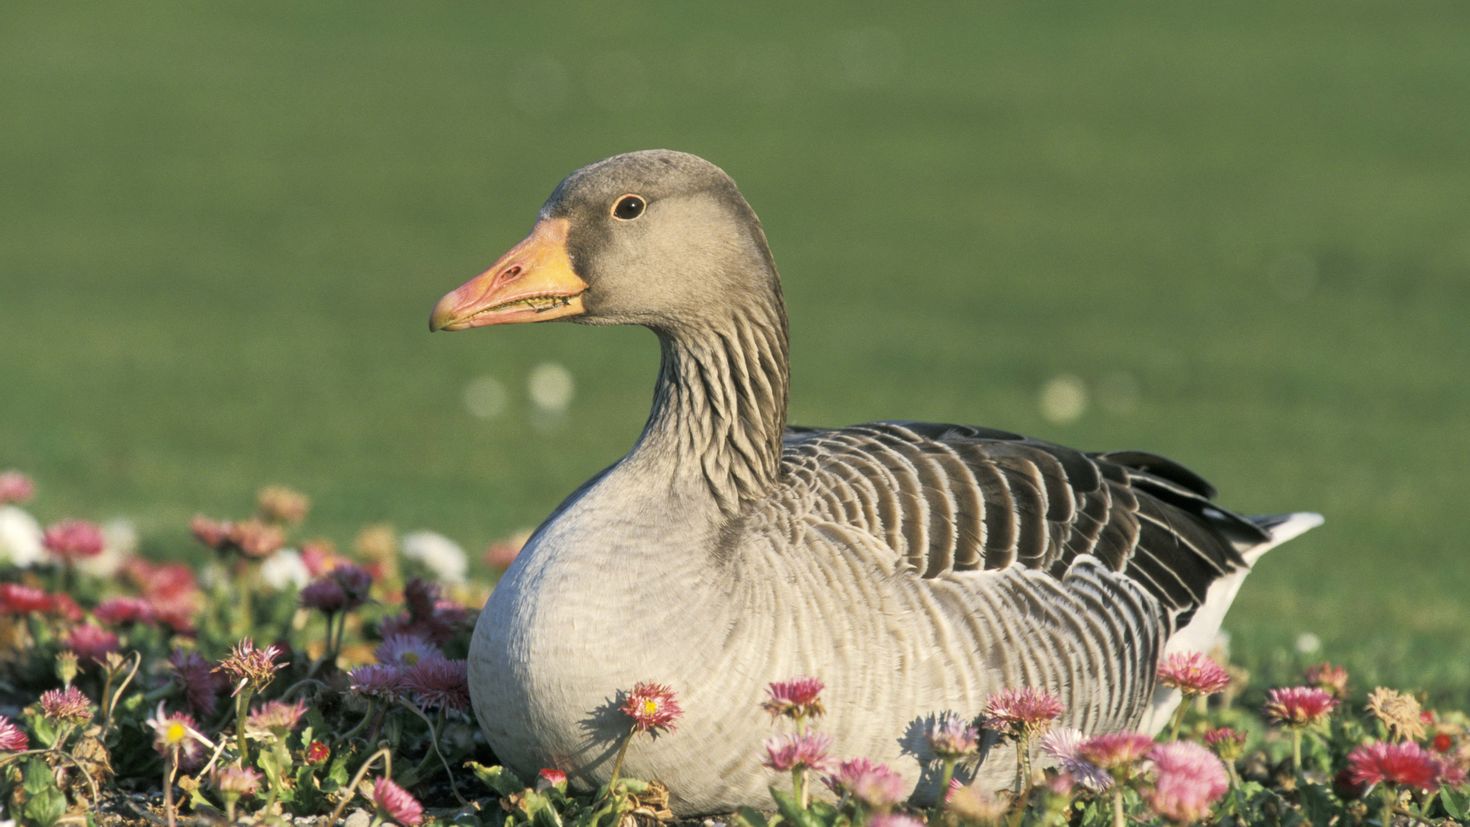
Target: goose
{"points": [[915, 568]]}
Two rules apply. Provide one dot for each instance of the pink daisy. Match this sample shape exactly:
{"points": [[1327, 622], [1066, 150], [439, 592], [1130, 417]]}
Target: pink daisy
{"points": [[275, 717], [16, 599], [171, 731], [1116, 752], [67, 706], [1329, 678], [91, 643], [1193, 674], [256, 538], [235, 781], [1023, 712], [73, 539], [652, 706], [212, 533], [1298, 706], [247, 665], [1401, 765], [870, 783], [1226, 742], [12, 737], [796, 698], [1188, 780], [397, 804], [15, 487], [787, 752], [894, 820], [120, 611]]}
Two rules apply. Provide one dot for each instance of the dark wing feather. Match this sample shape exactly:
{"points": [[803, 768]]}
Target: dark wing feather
{"points": [[955, 498]]}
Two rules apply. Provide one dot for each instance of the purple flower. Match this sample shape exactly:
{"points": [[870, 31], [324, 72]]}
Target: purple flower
{"points": [[201, 684], [324, 594], [378, 680], [247, 665], [953, 738], [1065, 745], [439, 682], [406, 650]]}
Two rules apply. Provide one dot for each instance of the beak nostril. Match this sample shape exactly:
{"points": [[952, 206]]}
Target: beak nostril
{"points": [[511, 273]]}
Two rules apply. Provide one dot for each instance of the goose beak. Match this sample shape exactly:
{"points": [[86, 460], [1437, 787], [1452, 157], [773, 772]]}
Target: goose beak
{"points": [[533, 282]]}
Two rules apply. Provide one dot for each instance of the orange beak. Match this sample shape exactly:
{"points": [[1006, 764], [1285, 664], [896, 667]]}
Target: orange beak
{"points": [[533, 282]]}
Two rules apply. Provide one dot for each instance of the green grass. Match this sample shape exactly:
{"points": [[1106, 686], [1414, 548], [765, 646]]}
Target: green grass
{"points": [[224, 229]]}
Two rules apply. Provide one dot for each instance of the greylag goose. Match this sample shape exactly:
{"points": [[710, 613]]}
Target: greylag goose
{"points": [[913, 567]]}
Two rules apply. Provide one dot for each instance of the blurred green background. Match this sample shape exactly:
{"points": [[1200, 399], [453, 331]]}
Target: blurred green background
{"points": [[1237, 235]]}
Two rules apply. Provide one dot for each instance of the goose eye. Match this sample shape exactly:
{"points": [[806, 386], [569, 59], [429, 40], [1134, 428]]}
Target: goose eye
{"points": [[628, 207]]}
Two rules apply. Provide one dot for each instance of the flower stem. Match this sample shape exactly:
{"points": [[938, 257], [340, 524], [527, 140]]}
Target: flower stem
{"points": [[242, 711], [1296, 750], [946, 773], [1120, 819], [168, 783], [798, 785], [1389, 796], [1178, 718], [1023, 764], [618, 761]]}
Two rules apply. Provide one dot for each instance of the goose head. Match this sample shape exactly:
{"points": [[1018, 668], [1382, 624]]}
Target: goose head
{"points": [[656, 238]]}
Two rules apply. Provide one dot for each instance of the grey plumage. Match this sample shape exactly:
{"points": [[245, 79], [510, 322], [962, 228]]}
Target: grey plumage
{"points": [[916, 568]]}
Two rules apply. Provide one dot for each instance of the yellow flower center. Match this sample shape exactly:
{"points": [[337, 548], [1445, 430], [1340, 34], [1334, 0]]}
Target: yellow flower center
{"points": [[411, 658], [175, 733], [650, 707]]}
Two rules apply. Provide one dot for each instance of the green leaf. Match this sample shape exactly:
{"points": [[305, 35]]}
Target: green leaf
{"points": [[44, 803], [1456, 805], [500, 780], [750, 817], [791, 809]]}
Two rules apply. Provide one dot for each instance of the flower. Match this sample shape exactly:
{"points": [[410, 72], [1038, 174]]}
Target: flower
{"points": [[20, 538], [429, 616], [170, 588], [317, 752], [550, 778], [285, 570], [439, 682], [249, 665], [872, 784], [91, 642], [1398, 711], [234, 781], [121, 611], [1022, 713], [202, 685], [1116, 752], [442, 557], [210, 532], [894, 820], [171, 733], [952, 737], [280, 504], [67, 706], [1193, 674], [16, 599], [406, 650], [73, 539], [1442, 742], [1064, 744], [256, 538], [276, 718], [796, 698], [787, 752], [501, 553], [1402, 765], [325, 595], [396, 803], [320, 557], [1332, 679], [377, 681], [1226, 742], [652, 706], [1298, 706], [15, 487], [974, 805], [1188, 779], [12, 737]]}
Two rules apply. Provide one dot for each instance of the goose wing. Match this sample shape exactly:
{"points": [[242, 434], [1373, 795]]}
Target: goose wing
{"points": [[948, 498]]}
